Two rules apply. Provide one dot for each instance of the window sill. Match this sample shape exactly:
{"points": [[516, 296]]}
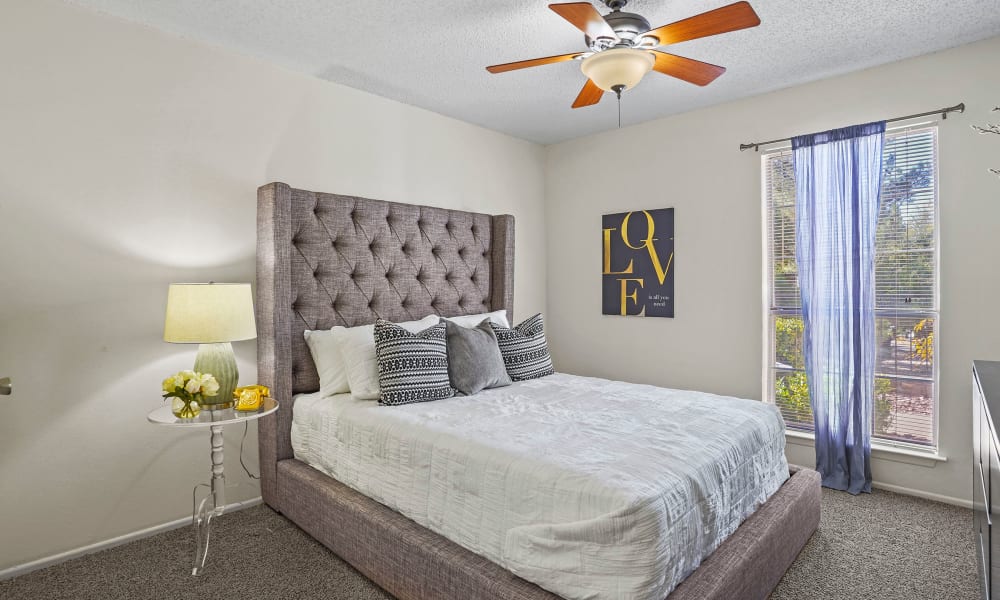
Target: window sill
{"points": [[880, 451]]}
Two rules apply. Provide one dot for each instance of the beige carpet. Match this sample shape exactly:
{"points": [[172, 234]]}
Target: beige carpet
{"points": [[881, 546]]}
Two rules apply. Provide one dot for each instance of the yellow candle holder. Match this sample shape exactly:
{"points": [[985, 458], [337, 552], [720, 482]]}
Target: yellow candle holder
{"points": [[249, 398]]}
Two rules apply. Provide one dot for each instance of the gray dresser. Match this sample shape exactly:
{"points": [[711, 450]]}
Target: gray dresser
{"points": [[986, 472]]}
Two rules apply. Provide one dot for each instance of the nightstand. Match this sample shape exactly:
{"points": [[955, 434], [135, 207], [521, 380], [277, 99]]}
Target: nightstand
{"points": [[214, 504]]}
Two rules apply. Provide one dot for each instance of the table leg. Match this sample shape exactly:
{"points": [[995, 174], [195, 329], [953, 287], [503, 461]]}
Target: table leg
{"points": [[218, 476], [202, 530], [211, 506]]}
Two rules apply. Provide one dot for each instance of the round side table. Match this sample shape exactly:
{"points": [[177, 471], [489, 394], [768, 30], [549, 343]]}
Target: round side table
{"points": [[214, 504]]}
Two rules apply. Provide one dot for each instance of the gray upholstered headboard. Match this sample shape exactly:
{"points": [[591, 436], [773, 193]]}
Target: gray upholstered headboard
{"points": [[326, 259]]}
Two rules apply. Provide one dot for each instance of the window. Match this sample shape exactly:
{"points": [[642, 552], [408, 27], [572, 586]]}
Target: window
{"points": [[906, 290]]}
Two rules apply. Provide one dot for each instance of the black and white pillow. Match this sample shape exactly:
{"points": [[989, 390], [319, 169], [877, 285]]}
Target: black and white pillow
{"points": [[525, 353], [412, 367]]}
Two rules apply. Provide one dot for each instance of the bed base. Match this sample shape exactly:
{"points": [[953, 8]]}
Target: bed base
{"points": [[321, 262], [413, 563]]}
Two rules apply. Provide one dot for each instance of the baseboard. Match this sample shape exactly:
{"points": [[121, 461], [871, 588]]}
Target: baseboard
{"points": [[921, 494], [48, 561]]}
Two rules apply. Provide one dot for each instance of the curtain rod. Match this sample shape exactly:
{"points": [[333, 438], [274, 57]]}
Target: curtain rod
{"points": [[941, 111]]}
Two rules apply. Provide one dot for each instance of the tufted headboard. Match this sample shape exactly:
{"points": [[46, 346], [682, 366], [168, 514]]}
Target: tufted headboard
{"points": [[326, 259]]}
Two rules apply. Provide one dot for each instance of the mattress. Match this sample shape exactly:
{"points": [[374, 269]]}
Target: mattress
{"points": [[587, 487]]}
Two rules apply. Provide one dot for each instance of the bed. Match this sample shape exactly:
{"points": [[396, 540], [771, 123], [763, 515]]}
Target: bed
{"points": [[326, 260]]}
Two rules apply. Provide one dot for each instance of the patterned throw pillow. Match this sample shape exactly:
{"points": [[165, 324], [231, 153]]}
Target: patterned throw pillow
{"points": [[412, 367], [525, 353]]}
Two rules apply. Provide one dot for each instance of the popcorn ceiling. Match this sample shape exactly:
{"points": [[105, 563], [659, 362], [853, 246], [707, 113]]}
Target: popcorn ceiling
{"points": [[433, 54]]}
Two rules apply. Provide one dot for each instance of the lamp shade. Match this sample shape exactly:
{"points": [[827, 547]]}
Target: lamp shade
{"points": [[207, 313], [617, 66]]}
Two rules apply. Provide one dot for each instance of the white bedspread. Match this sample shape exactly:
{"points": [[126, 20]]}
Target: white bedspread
{"points": [[589, 488]]}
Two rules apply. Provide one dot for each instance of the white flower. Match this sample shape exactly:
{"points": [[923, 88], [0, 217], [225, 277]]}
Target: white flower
{"points": [[173, 382], [209, 386], [189, 383], [193, 385]]}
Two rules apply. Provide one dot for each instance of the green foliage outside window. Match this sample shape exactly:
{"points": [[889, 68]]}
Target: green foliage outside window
{"points": [[791, 391], [923, 341], [788, 341], [792, 394], [884, 415]]}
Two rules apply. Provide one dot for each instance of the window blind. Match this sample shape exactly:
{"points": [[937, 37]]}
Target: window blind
{"points": [[905, 288]]}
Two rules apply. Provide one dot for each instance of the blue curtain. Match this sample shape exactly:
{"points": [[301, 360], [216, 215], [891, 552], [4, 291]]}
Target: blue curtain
{"points": [[838, 176]]}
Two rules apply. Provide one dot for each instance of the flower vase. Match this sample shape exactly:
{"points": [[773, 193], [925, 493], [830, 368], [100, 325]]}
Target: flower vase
{"points": [[185, 409]]}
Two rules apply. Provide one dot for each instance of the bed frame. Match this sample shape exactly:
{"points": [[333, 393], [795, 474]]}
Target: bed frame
{"points": [[325, 260]]}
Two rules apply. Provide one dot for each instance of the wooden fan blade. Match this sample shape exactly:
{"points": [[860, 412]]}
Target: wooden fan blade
{"points": [[690, 70], [732, 17], [590, 94], [534, 62], [585, 17]]}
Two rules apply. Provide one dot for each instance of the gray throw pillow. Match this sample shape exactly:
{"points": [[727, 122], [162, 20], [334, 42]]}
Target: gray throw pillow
{"points": [[474, 359]]}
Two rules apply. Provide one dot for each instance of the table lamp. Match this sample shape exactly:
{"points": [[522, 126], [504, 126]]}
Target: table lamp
{"points": [[213, 315]]}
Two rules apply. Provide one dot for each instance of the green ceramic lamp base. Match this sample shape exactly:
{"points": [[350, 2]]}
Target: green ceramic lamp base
{"points": [[219, 360]]}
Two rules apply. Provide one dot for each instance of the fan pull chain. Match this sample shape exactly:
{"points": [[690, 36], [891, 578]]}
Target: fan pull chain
{"points": [[618, 92]]}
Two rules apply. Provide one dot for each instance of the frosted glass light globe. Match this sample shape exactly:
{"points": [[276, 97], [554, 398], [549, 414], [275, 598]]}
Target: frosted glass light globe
{"points": [[617, 66]]}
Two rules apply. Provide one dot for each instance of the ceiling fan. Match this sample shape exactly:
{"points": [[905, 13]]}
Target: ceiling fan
{"points": [[622, 46]]}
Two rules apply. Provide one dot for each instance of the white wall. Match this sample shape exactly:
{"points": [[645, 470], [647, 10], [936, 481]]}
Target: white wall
{"points": [[130, 159], [691, 162]]}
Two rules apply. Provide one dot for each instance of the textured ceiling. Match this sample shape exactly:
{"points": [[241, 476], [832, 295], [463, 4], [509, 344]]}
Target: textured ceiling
{"points": [[433, 54]]}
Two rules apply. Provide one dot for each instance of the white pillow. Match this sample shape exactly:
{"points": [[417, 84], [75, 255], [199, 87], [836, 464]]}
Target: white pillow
{"points": [[329, 362], [357, 346], [498, 317]]}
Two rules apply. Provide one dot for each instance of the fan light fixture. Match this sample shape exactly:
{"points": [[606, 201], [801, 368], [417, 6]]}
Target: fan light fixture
{"points": [[621, 68], [622, 48]]}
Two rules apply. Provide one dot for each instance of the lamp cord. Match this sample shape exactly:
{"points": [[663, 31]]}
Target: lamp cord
{"points": [[246, 428]]}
